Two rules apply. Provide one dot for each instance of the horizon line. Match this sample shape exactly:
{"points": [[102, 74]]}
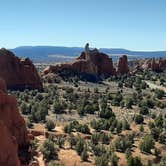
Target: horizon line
{"points": [[83, 47]]}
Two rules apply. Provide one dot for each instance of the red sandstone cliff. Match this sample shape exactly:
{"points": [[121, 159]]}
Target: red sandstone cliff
{"points": [[93, 62], [12, 128], [18, 73]]}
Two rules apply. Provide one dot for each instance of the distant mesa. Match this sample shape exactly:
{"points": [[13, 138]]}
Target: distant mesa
{"points": [[61, 53], [91, 62], [18, 73]]}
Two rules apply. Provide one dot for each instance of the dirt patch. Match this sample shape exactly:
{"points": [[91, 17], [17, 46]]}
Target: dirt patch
{"points": [[71, 158]]}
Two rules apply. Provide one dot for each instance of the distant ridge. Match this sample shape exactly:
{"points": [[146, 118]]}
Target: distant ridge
{"points": [[48, 53]]}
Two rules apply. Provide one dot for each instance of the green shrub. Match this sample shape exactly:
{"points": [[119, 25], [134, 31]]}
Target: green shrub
{"points": [[159, 93], [147, 144], [102, 160], [134, 161], [72, 140], [84, 155], [80, 146], [98, 149], [139, 119], [106, 113], [144, 110], [124, 143], [50, 125], [50, 152], [114, 160], [60, 141], [129, 103]]}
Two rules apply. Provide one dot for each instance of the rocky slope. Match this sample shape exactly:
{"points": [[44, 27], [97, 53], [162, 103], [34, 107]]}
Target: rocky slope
{"points": [[13, 131], [18, 73], [91, 62]]}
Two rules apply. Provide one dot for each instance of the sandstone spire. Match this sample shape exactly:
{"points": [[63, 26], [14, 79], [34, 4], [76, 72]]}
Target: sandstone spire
{"points": [[87, 52]]}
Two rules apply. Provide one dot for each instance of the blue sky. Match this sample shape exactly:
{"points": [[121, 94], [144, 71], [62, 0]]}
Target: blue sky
{"points": [[130, 24]]}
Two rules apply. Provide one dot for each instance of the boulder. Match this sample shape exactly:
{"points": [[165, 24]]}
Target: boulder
{"points": [[18, 73]]}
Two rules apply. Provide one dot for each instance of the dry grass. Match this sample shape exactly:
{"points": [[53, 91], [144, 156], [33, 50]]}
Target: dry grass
{"points": [[70, 158]]}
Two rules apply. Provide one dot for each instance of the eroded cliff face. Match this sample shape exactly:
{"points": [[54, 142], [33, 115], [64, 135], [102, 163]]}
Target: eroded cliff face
{"points": [[18, 73], [103, 63], [155, 64], [96, 63], [13, 130]]}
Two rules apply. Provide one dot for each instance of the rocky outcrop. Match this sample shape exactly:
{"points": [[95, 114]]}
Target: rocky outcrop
{"points": [[155, 64], [122, 67], [102, 62], [13, 131], [89, 62], [18, 73]]}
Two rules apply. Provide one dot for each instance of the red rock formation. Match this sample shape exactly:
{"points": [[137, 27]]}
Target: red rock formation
{"points": [[8, 148], [18, 73], [157, 65], [122, 67], [103, 63], [12, 128], [92, 62], [96, 64]]}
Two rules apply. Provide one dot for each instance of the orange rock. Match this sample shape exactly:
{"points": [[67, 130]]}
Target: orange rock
{"points": [[36, 133], [34, 163], [8, 148], [12, 128], [18, 73], [12, 119], [96, 63]]}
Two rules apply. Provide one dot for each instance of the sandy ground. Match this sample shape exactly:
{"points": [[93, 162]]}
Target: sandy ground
{"points": [[70, 158], [154, 86]]}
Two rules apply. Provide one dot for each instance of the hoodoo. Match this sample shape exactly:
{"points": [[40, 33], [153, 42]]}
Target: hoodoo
{"points": [[123, 65]]}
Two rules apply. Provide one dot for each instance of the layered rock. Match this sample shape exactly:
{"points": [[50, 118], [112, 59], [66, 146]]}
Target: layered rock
{"points": [[18, 73], [12, 128], [122, 67], [155, 64]]}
